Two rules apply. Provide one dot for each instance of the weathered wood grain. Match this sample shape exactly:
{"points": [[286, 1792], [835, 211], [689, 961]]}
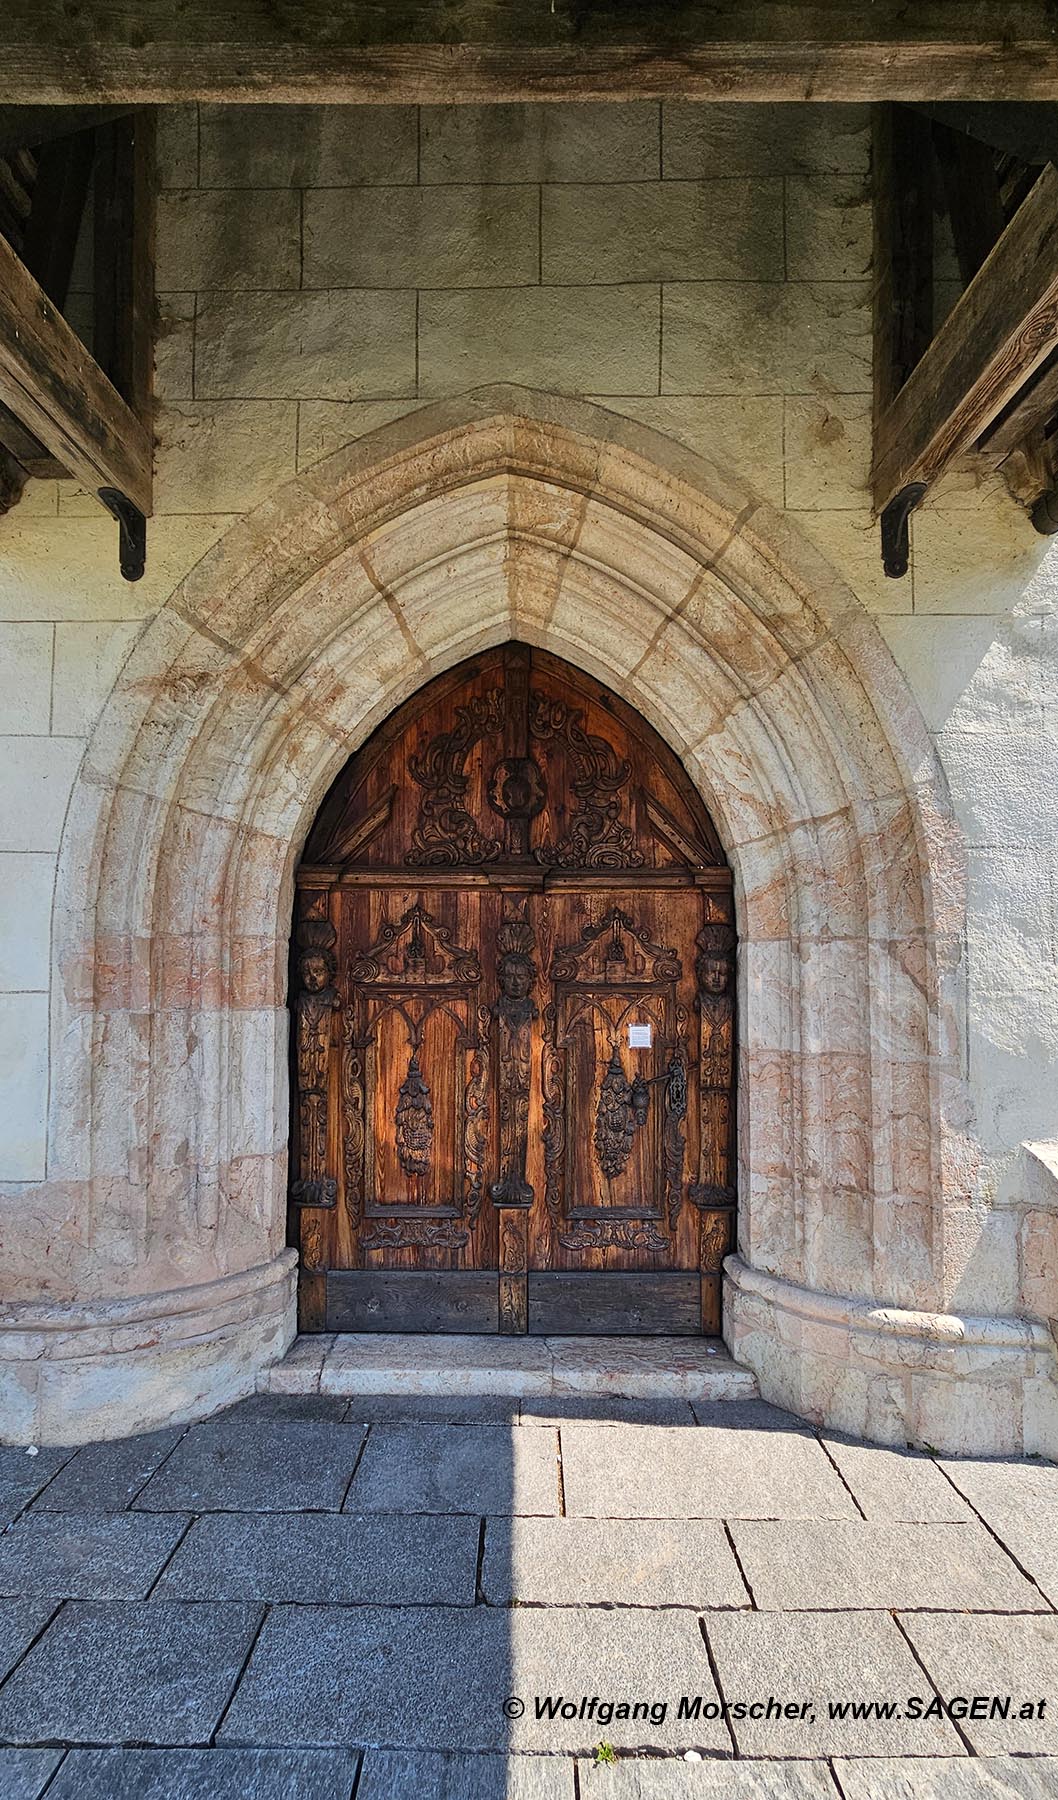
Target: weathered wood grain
{"points": [[154, 52], [999, 331]]}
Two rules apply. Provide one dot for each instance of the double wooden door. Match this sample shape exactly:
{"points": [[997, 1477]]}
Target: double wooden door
{"points": [[514, 1039]]}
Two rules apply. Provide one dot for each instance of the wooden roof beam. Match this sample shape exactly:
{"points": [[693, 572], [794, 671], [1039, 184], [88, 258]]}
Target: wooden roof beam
{"points": [[155, 52], [999, 331], [60, 394]]}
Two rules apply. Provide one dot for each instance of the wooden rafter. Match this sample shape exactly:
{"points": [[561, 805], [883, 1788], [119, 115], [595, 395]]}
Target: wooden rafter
{"points": [[1001, 329], [57, 390], [155, 52]]}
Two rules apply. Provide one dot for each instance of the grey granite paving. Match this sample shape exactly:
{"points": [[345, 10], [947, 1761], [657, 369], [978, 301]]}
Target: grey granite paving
{"points": [[153, 1672], [1020, 1503], [263, 1465], [206, 1775], [610, 1562], [457, 1469], [649, 1473], [438, 1677], [403, 1775], [674, 1779], [807, 1660], [797, 1564], [23, 1773], [571, 1409], [23, 1475], [960, 1778], [897, 1484], [432, 1409], [995, 1657], [20, 1621], [747, 1415], [107, 1477], [287, 1406], [87, 1556], [380, 1559]]}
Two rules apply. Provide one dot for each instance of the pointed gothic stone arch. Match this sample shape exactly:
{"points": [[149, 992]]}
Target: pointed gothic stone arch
{"points": [[159, 1253]]}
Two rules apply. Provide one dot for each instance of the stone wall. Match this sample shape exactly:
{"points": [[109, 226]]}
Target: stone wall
{"points": [[701, 270]]}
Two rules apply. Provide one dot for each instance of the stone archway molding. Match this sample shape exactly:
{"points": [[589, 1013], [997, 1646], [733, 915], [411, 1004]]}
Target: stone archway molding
{"points": [[153, 1280]]}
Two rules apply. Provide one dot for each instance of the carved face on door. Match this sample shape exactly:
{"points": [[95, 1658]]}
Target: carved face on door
{"points": [[533, 941]]}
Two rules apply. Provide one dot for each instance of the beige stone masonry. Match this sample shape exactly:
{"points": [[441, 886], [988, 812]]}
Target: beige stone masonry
{"points": [[569, 526]]}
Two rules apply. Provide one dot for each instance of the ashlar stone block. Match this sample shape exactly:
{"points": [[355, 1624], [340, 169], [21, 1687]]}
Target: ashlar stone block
{"points": [[444, 237]]}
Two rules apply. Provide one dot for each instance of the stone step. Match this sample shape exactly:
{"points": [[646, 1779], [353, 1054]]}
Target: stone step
{"points": [[636, 1368]]}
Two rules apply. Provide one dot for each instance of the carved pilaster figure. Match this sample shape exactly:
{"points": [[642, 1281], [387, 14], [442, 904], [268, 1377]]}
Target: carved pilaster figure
{"points": [[316, 1003], [514, 1012]]}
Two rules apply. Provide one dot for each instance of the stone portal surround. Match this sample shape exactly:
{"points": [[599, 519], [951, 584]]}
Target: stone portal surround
{"points": [[506, 514]]}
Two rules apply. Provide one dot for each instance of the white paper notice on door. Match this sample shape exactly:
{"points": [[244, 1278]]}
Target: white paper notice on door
{"points": [[639, 1037]]}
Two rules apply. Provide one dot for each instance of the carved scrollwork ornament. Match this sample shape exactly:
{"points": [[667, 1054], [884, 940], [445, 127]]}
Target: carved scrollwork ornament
{"points": [[596, 838], [414, 1121], [446, 833], [316, 1003], [514, 1012], [621, 1111]]}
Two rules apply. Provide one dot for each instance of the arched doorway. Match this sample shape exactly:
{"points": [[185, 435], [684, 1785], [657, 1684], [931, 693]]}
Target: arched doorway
{"points": [[513, 1052]]}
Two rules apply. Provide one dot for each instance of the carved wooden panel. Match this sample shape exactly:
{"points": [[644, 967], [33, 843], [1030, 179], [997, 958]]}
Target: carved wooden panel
{"points": [[514, 1014]]}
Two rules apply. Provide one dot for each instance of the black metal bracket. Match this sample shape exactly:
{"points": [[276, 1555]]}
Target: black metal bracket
{"points": [[132, 532], [896, 544]]}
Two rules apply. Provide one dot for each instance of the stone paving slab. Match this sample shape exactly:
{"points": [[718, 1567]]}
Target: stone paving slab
{"points": [[815, 1658], [994, 1656], [649, 1473], [206, 1775], [261, 1465], [87, 1556], [438, 1677], [897, 1484], [604, 1409], [403, 1775], [116, 1671], [432, 1409], [287, 1406], [674, 1779], [22, 1475], [23, 1773], [612, 1562], [840, 1564], [20, 1621], [748, 1415], [390, 1363], [320, 1557], [1020, 1503], [961, 1778], [457, 1469], [107, 1477], [675, 1368]]}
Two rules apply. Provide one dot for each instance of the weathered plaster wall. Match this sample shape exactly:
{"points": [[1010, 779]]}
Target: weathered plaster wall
{"points": [[701, 270]]}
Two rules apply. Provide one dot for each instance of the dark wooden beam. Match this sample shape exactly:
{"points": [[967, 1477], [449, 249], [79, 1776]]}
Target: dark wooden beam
{"points": [[902, 184], [123, 334], [1033, 408], [58, 392], [152, 52], [998, 333], [971, 188], [27, 450], [26, 127], [49, 239]]}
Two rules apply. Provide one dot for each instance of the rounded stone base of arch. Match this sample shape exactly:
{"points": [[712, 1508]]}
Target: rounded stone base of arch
{"points": [[943, 1381], [76, 1374]]}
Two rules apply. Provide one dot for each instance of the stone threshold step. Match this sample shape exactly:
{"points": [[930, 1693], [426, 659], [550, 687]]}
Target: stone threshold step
{"points": [[633, 1368]]}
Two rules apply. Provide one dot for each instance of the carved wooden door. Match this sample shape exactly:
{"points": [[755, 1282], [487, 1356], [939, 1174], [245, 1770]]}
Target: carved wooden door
{"points": [[514, 1039]]}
